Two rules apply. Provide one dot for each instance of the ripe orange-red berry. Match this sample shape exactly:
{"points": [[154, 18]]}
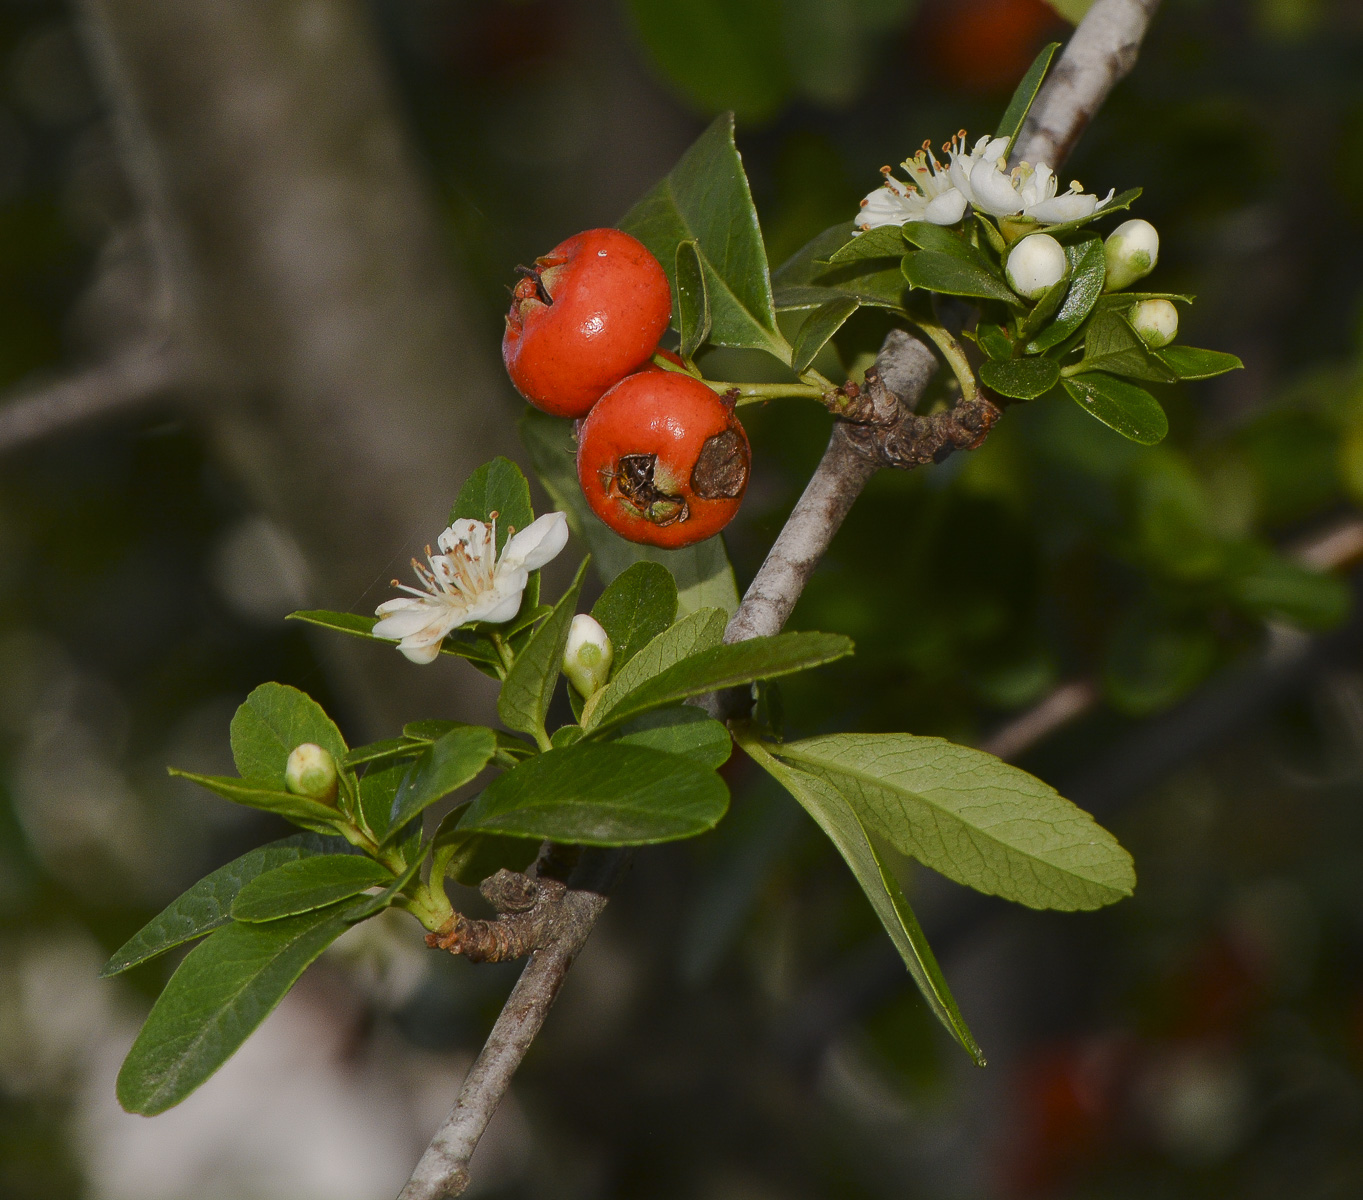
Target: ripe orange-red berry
{"points": [[663, 460], [586, 314]]}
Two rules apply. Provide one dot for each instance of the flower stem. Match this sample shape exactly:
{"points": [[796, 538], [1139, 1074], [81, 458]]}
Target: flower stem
{"points": [[954, 353], [753, 393], [504, 652]]}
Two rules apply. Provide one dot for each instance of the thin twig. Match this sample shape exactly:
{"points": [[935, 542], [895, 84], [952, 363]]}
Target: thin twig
{"points": [[856, 450], [135, 377]]}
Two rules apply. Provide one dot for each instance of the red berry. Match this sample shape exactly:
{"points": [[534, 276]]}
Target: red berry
{"points": [[587, 314], [663, 460]]}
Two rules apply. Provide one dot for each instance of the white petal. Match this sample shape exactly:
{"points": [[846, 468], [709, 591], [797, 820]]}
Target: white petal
{"points": [[959, 173], [993, 150], [421, 619], [498, 606], [536, 545], [946, 209], [888, 206], [993, 191], [466, 532], [421, 654], [1070, 207]]}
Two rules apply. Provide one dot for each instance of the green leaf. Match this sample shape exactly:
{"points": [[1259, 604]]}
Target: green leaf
{"points": [[693, 301], [430, 731], [274, 719], [1188, 362], [1131, 411], [382, 751], [972, 817], [705, 199], [1041, 312], [309, 883], [341, 622], [699, 631], [927, 236], [1021, 378], [818, 327], [885, 241], [208, 904], [951, 276], [601, 794], [702, 572], [1073, 11], [379, 785], [224, 988], [839, 821], [375, 903], [529, 684], [1123, 301], [448, 763], [638, 605], [470, 858], [994, 340], [301, 810], [722, 667], [683, 730], [496, 487], [1088, 270], [1021, 103], [1113, 346], [1276, 589]]}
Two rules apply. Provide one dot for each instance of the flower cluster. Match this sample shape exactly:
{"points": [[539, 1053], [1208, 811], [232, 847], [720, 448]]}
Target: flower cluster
{"points": [[977, 177]]}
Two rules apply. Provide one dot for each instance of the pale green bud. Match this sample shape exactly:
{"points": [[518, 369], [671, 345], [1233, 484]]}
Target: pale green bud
{"points": [[1156, 321], [1132, 250], [1036, 264], [588, 656], [311, 771]]}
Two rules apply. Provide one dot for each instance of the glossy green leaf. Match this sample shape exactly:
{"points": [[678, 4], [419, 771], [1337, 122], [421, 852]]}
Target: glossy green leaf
{"points": [[1043, 309], [507, 744], [448, 763], [702, 572], [927, 236], [530, 683], [951, 276], [496, 487], [1088, 270], [1188, 362], [309, 883], [341, 622], [818, 327], [208, 904], [469, 858], [692, 299], [224, 988], [1113, 346], [705, 199], [1021, 378], [389, 748], [301, 810], [1021, 103], [273, 720], [885, 241], [699, 631], [379, 784], [722, 667], [994, 341], [839, 821], [376, 902], [1019, 228], [683, 730], [637, 605], [971, 816], [1131, 411], [601, 794]]}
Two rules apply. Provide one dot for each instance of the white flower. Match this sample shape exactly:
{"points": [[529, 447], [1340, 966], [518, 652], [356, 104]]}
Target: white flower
{"points": [[588, 656], [929, 196], [467, 582], [1156, 321], [1036, 264], [1132, 250], [1026, 191]]}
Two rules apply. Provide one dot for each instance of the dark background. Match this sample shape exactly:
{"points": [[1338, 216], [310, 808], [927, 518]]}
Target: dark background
{"points": [[738, 1028]]}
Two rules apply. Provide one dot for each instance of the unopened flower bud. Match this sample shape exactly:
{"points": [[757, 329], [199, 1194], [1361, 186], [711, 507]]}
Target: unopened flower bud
{"points": [[1156, 321], [311, 771], [588, 656], [1036, 265], [1132, 250]]}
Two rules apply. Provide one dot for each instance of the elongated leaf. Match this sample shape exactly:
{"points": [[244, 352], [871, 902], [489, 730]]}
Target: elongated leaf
{"points": [[819, 326], [1119, 203], [693, 299], [224, 988], [496, 487], [1188, 362], [601, 794], [1041, 313], [886, 241], [301, 810], [702, 572], [1088, 270], [811, 260], [448, 763], [722, 667], [389, 748], [690, 635], [952, 276], [208, 904], [705, 199], [1123, 301], [369, 906], [972, 817], [472, 857], [274, 719], [994, 341], [927, 236], [1113, 346], [341, 622], [1021, 378], [530, 682], [681, 730], [309, 883], [464, 643], [638, 605], [508, 744], [1021, 103], [379, 785], [1131, 411], [839, 821]]}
